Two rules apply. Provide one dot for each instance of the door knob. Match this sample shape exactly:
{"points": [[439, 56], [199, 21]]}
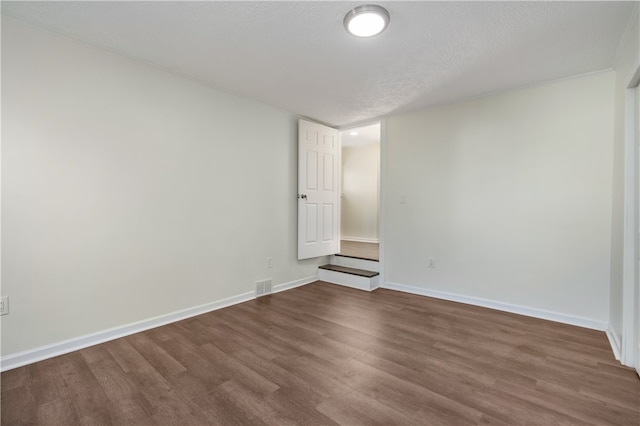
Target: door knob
{"points": [[303, 196]]}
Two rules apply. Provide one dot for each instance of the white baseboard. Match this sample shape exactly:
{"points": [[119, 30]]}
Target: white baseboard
{"points": [[616, 347], [360, 240], [500, 306], [19, 359], [296, 283]]}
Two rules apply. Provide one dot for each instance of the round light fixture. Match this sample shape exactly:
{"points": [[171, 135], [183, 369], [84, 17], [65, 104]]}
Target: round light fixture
{"points": [[354, 133], [366, 20]]}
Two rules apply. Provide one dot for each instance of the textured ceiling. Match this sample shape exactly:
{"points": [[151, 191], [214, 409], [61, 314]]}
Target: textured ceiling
{"points": [[297, 56]]}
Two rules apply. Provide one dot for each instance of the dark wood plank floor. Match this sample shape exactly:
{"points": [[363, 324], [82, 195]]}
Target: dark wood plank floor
{"points": [[322, 354]]}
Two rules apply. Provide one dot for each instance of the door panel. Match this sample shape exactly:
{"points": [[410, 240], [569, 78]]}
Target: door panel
{"points": [[327, 228], [328, 172], [311, 236], [318, 152], [312, 170]]}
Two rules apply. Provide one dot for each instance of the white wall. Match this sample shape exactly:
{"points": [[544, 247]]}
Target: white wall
{"points": [[129, 193], [511, 193], [360, 203], [627, 63]]}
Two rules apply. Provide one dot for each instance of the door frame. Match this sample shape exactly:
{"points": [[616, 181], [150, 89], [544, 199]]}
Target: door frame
{"points": [[637, 280], [382, 198], [381, 183], [630, 345]]}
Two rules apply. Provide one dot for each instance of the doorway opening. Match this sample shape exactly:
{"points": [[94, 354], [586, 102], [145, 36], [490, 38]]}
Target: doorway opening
{"points": [[360, 192]]}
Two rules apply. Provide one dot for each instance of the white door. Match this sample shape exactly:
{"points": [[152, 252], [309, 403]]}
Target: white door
{"points": [[318, 220]]}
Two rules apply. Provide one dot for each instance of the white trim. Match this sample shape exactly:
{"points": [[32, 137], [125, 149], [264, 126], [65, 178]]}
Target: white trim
{"points": [[614, 342], [340, 193], [360, 239], [500, 306], [295, 283], [630, 227], [19, 359], [382, 175]]}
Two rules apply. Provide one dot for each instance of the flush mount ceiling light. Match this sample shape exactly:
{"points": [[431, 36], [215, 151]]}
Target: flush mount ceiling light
{"points": [[366, 20]]}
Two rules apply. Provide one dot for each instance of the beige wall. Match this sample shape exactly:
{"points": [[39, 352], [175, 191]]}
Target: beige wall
{"points": [[360, 201], [511, 193], [124, 193], [627, 63], [129, 193]]}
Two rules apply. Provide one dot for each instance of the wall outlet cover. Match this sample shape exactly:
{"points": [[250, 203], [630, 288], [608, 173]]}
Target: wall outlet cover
{"points": [[4, 305]]}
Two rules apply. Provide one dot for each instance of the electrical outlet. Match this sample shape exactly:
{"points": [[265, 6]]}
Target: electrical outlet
{"points": [[432, 262], [4, 305], [269, 262]]}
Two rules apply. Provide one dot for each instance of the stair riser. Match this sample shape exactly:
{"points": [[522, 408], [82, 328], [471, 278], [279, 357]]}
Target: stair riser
{"points": [[348, 280], [350, 262]]}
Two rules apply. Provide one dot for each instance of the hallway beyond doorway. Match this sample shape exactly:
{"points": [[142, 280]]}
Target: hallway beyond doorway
{"points": [[360, 250]]}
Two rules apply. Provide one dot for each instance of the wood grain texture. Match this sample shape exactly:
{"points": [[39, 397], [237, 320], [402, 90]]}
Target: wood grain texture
{"points": [[322, 354]]}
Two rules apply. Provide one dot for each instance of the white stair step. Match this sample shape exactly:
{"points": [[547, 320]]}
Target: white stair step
{"points": [[352, 262], [350, 277]]}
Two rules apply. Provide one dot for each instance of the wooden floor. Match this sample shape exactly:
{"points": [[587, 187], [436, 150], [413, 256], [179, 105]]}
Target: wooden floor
{"points": [[323, 354], [369, 251]]}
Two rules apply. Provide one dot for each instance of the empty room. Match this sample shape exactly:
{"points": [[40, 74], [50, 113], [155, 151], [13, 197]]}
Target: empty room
{"points": [[320, 213]]}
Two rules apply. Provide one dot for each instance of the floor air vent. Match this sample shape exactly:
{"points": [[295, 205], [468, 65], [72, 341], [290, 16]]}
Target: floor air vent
{"points": [[263, 287]]}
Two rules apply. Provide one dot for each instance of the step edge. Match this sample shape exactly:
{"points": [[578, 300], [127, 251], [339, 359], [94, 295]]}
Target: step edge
{"points": [[357, 257], [350, 271]]}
